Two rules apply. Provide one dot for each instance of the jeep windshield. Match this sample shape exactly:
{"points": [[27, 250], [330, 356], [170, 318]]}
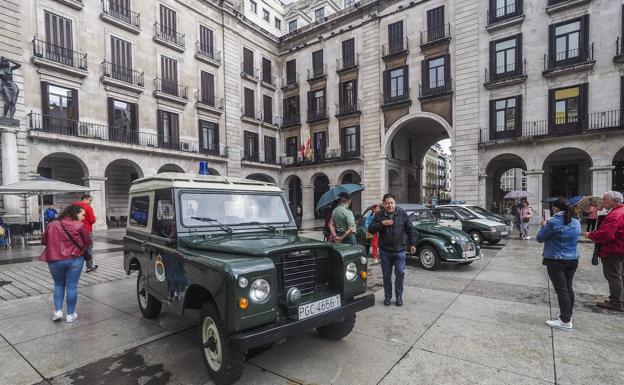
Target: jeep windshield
{"points": [[419, 215], [224, 209]]}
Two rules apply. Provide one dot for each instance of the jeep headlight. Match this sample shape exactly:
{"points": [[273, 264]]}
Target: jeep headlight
{"points": [[259, 290], [363, 260], [453, 239], [351, 271]]}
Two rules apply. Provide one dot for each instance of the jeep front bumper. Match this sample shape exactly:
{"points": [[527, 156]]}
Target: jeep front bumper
{"points": [[249, 339]]}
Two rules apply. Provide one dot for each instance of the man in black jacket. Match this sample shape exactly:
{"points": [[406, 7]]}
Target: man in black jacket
{"points": [[393, 227]]}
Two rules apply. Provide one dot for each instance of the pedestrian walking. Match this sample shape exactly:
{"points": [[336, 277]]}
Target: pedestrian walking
{"points": [[517, 208], [89, 220], [526, 212], [344, 221], [374, 238], [66, 242], [393, 226], [561, 256], [591, 213], [610, 237]]}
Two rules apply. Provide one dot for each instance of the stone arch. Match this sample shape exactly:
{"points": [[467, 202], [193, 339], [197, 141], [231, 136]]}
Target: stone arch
{"points": [[261, 178], [567, 173], [350, 176], [495, 188], [66, 168], [416, 117], [321, 185], [170, 167], [212, 171], [119, 176], [295, 192]]}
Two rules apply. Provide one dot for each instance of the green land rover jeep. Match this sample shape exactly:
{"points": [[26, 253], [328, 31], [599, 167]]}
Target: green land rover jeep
{"points": [[230, 248]]}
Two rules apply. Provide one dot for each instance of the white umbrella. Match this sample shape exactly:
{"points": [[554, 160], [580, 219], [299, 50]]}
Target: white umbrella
{"points": [[517, 194]]}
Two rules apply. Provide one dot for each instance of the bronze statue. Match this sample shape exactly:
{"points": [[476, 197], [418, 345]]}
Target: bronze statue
{"points": [[10, 91]]}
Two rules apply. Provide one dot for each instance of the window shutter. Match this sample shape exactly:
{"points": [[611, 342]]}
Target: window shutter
{"points": [[200, 128], [355, 93], [266, 70], [285, 110], [216, 136], [45, 99], [267, 105], [386, 84], [406, 90], [447, 71], [551, 41], [310, 103], [551, 112], [175, 130], [135, 116], [518, 121], [585, 37], [519, 62], [297, 105], [111, 113], [584, 101], [324, 99], [75, 112], [493, 63], [357, 139], [425, 74], [492, 119]]}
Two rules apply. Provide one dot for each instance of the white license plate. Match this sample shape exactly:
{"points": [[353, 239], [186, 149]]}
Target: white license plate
{"points": [[319, 307], [505, 233], [469, 254]]}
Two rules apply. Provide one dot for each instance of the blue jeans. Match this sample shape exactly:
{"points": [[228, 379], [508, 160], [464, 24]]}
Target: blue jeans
{"points": [[90, 248], [66, 274], [388, 260]]}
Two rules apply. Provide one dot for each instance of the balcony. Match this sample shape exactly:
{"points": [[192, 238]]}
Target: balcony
{"points": [[207, 54], [395, 48], [329, 156], [318, 73], [168, 37], [59, 58], [505, 75], [271, 120], [291, 121], [436, 90], [76, 4], [120, 16], [250, 115], [259, 157], [348, 64], [435, 36], [209, 104], [250, 73], [317, 115], [619, 50], [289, 83], [595, 122], [269, 81], [114, 137], [122, 77], [348, 108], [396, 100], [560, 5], [578, 59], [506, 16], [168, 90]]}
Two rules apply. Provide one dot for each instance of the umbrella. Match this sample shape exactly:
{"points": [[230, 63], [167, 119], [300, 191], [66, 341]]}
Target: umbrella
{"points": [[332, 194], [575, 199], [40, 186], [584, 203], [517, 194], [550, 200]]}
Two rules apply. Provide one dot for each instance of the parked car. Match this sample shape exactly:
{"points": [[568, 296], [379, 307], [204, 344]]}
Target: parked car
{"points": [[490, 215], [437, 243], [480, 229], [229, 247]]}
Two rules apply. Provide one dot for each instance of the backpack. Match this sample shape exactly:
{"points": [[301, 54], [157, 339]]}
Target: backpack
{"points": [[49, 214]]}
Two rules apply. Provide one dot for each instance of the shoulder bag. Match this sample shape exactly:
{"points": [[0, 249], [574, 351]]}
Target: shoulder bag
{"points": [[85, 252]]}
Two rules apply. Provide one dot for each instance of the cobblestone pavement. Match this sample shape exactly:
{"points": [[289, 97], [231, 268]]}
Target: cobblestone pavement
{"points": [[477, 324]]}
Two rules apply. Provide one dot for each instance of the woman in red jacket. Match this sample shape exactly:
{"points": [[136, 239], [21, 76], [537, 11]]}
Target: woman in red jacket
{"points": [[66, 240]]}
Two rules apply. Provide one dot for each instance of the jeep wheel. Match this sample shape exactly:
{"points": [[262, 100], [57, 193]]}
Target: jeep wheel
{"points": [[224, 364], [338, 330], [429, 258], [149, 305], [477, 237]]}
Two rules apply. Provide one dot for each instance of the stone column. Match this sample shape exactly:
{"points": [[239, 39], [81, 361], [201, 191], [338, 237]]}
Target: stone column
{"points": [[534, 186], [483, 182], [98, 184], [307, 198], [602, 179], [10, 168]]}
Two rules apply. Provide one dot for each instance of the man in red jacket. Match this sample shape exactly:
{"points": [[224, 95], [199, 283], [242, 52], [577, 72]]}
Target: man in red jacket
{"points": [[610, 237], [89, 220]]}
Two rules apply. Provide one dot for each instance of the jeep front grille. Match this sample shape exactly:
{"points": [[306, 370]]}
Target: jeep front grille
{"points": [[304, 271]]}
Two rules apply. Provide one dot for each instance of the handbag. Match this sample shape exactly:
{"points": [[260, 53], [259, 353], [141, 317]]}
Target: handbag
{"points": [[85, 252]]}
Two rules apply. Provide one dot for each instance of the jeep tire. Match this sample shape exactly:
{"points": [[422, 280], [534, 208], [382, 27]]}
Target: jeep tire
{"points": [[337, 330], [150, 307], [223, 362]]}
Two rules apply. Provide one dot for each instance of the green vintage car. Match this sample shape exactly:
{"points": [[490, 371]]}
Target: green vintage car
{"points": [[437, 243], [229, 247]]}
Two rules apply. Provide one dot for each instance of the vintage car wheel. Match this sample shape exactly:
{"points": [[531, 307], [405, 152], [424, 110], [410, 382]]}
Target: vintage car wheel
{"points": [[338, 330], [224, 364], [150, 307], [476, 236], [429, 258]]}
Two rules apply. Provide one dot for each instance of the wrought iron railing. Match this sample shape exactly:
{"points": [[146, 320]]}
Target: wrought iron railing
{"points": [[395, 97], [348, 106], [347, 62], [508, 71], [210, 101], [328, 155], [440, 87], [505, 12], [169, 34], [555, 2], [170, 88], [249, 71], [570, 57], [116, 10], [395, 47], [291, 120], [267, 78], [317, 72], [317, 114], [59, 54], [250, 113], [290, 81], [126, 75], [435, 34], [259, 157], [207, 51]]}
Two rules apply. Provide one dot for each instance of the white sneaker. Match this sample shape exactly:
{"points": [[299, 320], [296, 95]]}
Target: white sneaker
{"points": [[559, 324], [71, 317], [527, 238], [57, 316]]}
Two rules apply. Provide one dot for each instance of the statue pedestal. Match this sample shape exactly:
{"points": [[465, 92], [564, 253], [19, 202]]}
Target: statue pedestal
{"points": [[10, 169]]}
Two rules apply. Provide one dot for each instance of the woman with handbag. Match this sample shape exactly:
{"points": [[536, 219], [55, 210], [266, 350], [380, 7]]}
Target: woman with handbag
{"points": [[66, 243], [526, 212]]}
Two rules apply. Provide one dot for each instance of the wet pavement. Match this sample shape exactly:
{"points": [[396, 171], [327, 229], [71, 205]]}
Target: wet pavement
{"points": [[476, 324]]}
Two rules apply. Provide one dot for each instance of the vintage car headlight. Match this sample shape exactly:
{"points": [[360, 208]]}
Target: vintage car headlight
{"points": [[259, 290], [363, 260], [351, 271], [453, 239], [242, 282]]}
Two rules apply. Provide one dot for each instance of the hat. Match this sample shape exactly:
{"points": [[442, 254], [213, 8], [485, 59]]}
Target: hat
{"points": [[344, 195]]}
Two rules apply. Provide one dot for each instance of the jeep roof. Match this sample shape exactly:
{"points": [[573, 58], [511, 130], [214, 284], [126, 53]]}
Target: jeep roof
{"points": [[195, 181]]}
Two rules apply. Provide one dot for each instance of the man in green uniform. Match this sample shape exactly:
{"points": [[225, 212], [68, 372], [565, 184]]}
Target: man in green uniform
{"points": [[343, 220]]}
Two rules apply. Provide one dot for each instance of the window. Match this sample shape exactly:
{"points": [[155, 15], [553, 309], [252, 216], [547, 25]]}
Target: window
{"points": [[397, 82], [350, 141], [59, 102], [251, 146], [278, 23], [317, 63], [168, 25], [208, 137], [168, 129], [569, 42], [249, 103], [248, 65], [292, 26], [502, 9], [506, 57], [317, 103], [207, 95], [164, 214], [253, 6], [59, 38], [169, 75], [270, 153], [267, 106], [395, 37], [567, 108], [139, 211], [348, 53], [319, 145], [319, 14], [291, 72], [122, 121], [121, 60], [291, 110], [266, 15], [291, 146], [436, 72], [266, 71], [435, 24], [348, 95], [206, 41], [506, 120]]}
